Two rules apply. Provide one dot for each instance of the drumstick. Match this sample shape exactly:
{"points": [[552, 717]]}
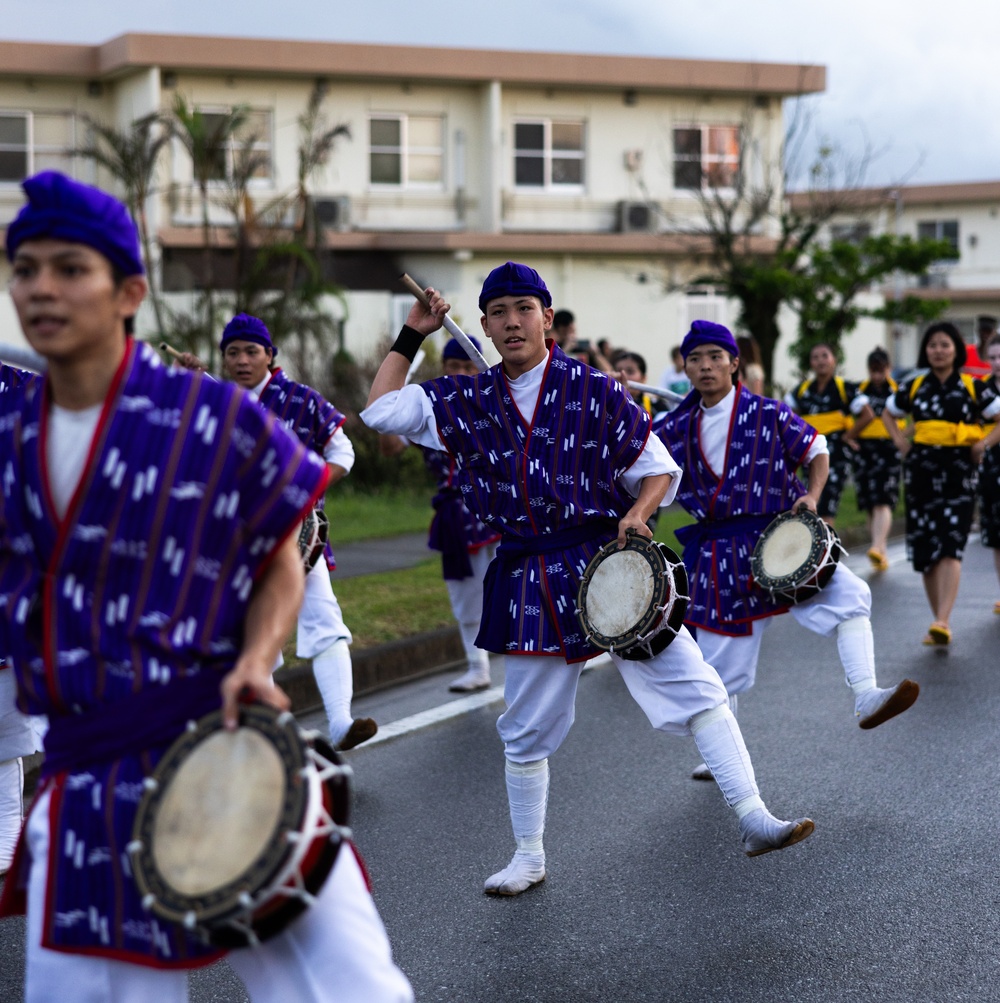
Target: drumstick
{"points": [[657, 391], [170, 350], [25, 358], [449, 325]]}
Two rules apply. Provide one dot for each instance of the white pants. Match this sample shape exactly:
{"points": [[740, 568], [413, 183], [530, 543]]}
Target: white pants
{"points": [[321, 622], [735, 658], [466, 597], [540, 693], [337, 951], [466, 594]]}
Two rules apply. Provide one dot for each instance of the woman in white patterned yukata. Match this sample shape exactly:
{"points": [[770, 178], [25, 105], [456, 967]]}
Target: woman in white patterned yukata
{"points": [[939, 471]]}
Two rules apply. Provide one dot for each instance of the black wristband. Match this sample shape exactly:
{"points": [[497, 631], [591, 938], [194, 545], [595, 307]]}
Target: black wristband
{"points": [[408, 343]]}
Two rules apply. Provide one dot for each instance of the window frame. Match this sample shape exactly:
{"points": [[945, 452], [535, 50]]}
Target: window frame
{"points": [[939, 224], [548, 154], [33, 149], [230, 151], [406, 150], [705, 157]]}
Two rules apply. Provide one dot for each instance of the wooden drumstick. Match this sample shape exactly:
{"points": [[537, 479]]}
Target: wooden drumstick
{"points": [[449, 325], [170, 350]]}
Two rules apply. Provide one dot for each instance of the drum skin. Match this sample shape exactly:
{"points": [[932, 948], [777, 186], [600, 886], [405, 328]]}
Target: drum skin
{"points": [[216, 836], [632, 600], [795, 557]]}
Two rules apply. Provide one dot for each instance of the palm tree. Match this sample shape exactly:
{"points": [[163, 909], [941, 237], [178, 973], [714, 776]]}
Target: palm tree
{"points": [[207, 139], [130, 156]]}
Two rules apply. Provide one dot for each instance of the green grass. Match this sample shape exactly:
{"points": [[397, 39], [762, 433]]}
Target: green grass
{"points": [[390, 512]]}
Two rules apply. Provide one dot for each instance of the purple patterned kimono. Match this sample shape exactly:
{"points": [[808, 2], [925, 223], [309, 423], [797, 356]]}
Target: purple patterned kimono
{"points": [[122, 617], [549, 483], [767, 443], [308, 415], [455, 531]]}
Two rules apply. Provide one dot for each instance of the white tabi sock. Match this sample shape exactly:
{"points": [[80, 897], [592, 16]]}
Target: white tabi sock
{"points": [[11, 809], [721, 745], [335, 679], [477, 673], [527, 795], [856, 645]]}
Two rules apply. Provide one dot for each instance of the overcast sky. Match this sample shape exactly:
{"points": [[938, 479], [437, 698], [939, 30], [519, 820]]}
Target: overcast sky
{"points": [[918, 82]]}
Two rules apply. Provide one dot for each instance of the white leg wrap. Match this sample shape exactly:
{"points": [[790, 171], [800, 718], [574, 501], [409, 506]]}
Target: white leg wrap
{"points": [[335, 679], [721, 745], [11, 808], [528, 794], [734, 700], [856, 645]]}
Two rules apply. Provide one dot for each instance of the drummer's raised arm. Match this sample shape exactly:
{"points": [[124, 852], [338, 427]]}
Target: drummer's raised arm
{"points": [[421, 321]]}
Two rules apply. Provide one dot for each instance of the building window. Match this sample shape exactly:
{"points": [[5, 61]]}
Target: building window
{"points": [[850, 233], [252, 140], [939, 229], [549, 154], [35, 141], [406, 151], [706, 156]]}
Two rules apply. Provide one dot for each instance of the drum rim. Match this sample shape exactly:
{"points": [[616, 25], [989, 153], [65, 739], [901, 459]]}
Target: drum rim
{"points": [[217, 905], [824, 541], [664, 586]]}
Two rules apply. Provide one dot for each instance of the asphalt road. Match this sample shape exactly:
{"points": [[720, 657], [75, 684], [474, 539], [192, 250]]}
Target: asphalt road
{"points": [[648, 896]]}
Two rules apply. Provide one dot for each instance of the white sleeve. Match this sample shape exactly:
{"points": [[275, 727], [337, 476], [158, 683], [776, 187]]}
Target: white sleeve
{"points": [[792, 402], [654, 459], [858, 404], [818, 448], [405, 412], [890, 406], [339, 450]]}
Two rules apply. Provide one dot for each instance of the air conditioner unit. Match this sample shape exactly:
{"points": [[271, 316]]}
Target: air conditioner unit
{"points": [[334, 212], [636, 217]]}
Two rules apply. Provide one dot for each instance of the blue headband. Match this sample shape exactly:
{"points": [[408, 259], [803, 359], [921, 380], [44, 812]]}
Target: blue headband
{"points": [[704, 332], [59, 208], [513, 279], [453, 349], [243, 327]]}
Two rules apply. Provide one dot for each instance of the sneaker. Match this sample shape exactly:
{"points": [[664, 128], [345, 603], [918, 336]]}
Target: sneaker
{"points": [[761, 832], [876, 706], [523, 871], [361, 729]]}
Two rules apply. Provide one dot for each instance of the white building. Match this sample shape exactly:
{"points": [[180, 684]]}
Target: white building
{"points": [[586, 167], [967, 215]]}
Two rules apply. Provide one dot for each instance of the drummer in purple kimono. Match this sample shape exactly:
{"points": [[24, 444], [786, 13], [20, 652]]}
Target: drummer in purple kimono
{"points": [[248, 359], [740, 452], [20, 735], [144, 579], [556, 457], [467, 546]]}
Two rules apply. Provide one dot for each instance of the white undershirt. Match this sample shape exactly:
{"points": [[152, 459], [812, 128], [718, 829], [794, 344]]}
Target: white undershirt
{"points": [[338, 450], [714, 439], [409, 412], [70, 434]]}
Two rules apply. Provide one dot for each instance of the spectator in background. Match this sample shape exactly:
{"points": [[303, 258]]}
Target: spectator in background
{"points": [[751, 370], [674, 378], [564, 330], [976, 363], [632, 366]]}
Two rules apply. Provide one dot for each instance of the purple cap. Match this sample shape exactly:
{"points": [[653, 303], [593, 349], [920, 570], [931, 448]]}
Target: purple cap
{"points": [[705, 332], [60, 208], [453, 348], [243, 327], [513, 279]]}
